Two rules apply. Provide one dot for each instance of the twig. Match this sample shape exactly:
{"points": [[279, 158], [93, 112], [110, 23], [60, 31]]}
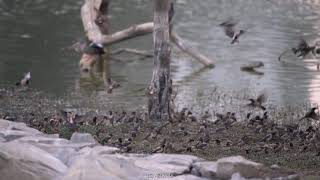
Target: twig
{"points": [[132, 51]]}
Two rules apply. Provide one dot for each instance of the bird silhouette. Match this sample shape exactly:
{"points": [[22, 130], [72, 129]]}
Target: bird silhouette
{"points": [[301, 50], [231, 31], [311, 114]]}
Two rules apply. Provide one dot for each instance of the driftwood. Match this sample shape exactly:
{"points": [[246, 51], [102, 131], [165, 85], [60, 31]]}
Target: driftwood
{"points": [[147, 28], [132, 51], [89, 16], [94, 15], [190, 51]]}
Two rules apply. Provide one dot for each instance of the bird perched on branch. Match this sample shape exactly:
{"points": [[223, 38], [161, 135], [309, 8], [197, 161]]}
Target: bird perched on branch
{"points": [[25, 80], [258, 102], [230, 31], [94, 49]]}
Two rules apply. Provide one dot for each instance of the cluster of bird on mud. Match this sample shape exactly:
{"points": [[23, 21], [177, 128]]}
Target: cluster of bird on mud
{"points": [[188, 133]]}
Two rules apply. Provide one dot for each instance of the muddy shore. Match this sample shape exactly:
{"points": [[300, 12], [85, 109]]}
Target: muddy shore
{"points": [[294, 146]]}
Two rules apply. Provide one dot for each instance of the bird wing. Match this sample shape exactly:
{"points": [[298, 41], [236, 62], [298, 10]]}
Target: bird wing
{"points": [[302, 44], [109, 81], [262, 98], [229, 27], [229, 31]]}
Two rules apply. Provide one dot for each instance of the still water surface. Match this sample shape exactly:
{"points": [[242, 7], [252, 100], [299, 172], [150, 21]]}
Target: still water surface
{"points": [[33, 34]]}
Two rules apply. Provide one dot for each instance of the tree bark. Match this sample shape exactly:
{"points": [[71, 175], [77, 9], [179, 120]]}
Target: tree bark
{"points": [[160, 87], [94, 14]]}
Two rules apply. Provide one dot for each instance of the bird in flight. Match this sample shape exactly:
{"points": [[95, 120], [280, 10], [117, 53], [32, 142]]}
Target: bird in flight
{"points": [[231, 31], [301, 50], [25, 80]]}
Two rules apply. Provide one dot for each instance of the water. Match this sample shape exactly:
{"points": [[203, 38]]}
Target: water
{"points": [[33, 34]]}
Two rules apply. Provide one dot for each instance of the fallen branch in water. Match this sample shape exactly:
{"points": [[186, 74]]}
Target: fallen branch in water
{"points": [[190, 51], [147, 28], [132, 51], [95, 22]]}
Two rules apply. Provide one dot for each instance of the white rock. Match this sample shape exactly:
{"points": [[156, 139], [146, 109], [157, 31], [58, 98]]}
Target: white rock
{"points": [[18, 126], [102, 168], [95, 151], [23, 161], [205, 169], [167, 163], [82, 138], [228, 166]]}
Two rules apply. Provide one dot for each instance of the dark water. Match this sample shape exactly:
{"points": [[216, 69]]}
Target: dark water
{"points": [[33, 34]]}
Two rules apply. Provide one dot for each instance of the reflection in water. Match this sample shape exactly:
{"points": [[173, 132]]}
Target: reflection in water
{"points": [[32, 38]]}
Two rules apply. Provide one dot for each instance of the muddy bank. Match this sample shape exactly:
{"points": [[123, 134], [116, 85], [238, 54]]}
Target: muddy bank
{"points": [[257, 136]]}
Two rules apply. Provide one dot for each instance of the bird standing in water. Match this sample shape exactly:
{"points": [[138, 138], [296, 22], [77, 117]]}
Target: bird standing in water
{"points": [[258, 102], [230, 31], [25, 80]]}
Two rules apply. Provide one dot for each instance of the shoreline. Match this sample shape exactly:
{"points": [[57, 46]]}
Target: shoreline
{"points": [[261, 140]]}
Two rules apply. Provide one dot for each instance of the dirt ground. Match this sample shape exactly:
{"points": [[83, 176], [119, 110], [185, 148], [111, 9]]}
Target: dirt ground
{"points": [[256, 138]]}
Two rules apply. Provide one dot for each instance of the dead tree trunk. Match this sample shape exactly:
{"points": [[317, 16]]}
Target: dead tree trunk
{"points": [[160, 87]]}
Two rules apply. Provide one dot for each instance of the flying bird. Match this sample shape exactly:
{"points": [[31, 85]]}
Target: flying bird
{"points": [[258, 102], [301, 50], [231, 31], [25, 80]]}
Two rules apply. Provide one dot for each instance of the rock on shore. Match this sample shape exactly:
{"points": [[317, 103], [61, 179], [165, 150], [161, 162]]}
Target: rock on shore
{"points": [[28, 154]]}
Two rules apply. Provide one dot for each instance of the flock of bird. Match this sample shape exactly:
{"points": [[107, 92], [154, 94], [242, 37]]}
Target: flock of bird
{"points": [[301, 51]]}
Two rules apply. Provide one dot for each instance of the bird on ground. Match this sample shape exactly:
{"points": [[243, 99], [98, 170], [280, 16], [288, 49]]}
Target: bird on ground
{"points": [[25, 80], [112, 84], [231, 31], [258, 102], [311, 114]]}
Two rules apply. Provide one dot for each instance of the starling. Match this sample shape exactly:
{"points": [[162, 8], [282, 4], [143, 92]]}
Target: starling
{"points": [[311, 114], [230, 31], [301, 50], [25, 80]]}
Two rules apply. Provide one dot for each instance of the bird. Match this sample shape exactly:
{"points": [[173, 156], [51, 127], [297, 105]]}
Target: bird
{"points": [[112, 84], [25, 80], [311, 114], [258, 102], [301, 50], [94, 49], [230, 31]]}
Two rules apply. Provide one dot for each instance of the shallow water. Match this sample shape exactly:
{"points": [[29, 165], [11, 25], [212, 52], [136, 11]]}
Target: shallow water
{"points": [[33, 34]]}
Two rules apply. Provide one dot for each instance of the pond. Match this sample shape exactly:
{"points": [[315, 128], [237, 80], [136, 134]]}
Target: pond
{"points": [[35, 33]]}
